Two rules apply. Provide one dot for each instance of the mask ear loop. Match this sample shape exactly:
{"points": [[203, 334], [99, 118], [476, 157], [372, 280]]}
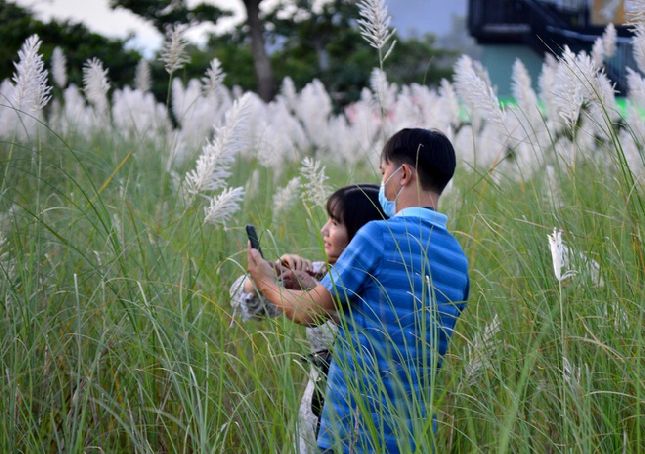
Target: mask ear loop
{"points": [[396, 197]]}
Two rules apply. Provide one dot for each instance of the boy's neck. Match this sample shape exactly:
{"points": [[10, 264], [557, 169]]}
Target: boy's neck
{"points": [[426, 199]]}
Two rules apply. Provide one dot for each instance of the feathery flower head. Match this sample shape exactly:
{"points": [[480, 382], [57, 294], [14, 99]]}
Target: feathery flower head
{"points": [[213, 165], [285, 197], [59, 67], [571, 374], [609, 40], [173, 52], [559, 256], [598, 52], [315, 187], [142, 75], [480, 350], [573, 80], [563, 257], [213, 78], [96, 84], [449, 96], [379, 85], [477, 92], [638, 44], [522, 88], [375, 25], [31, 92], [223, 206], [552, 192], [636, 86], [253, 183]]}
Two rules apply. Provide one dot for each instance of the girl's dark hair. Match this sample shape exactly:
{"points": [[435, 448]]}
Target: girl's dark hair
{"points": [[355, 206], [427, 150]]}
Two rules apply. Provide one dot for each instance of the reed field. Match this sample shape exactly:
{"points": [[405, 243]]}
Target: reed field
{"points": [[122, 229]]}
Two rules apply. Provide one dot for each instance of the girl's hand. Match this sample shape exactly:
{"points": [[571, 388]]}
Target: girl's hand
{"points": [[297, 280], [259, 269], [296, 263]]}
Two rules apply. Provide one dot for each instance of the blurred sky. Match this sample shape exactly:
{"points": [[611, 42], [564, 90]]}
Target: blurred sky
{"points": [[408, 16]]}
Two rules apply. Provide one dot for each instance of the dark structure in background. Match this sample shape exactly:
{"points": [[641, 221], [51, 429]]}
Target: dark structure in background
{"points": [[549, 25]]}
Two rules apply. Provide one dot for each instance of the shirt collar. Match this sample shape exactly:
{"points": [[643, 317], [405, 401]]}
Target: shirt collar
{"points": [[431, 216]]}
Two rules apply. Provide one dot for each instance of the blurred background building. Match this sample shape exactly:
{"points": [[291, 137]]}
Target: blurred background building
{"points": [[526, 29]]}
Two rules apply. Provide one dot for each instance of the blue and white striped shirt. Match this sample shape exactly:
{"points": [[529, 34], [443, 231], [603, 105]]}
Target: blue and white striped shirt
{"points": [[401, 284]]}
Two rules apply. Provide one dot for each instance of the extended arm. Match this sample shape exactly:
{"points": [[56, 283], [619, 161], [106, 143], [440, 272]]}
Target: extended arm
{"points": [[306, 307]]}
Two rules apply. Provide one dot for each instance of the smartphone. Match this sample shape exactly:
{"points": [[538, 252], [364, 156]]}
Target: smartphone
{"points": [[253, 238]]}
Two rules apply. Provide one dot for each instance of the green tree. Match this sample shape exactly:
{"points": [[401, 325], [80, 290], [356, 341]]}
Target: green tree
{"points": [[327, 45], [164, 13], [78, 43]]}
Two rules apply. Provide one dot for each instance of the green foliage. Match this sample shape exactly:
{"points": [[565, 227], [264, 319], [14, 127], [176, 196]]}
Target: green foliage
{"points": [[116, 329], [77, 42], [164, 13], [327, 46]]}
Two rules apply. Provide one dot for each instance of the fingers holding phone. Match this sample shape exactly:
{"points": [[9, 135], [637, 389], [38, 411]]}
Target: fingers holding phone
{"points": [[296, 263]]}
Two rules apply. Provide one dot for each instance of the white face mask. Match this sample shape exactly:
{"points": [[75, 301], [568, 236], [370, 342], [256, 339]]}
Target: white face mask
{"points": [[388, 206]]}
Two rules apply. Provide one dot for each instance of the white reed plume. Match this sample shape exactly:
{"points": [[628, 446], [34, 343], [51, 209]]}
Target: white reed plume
{"points": [[223, 206], [476, 92], [598, 52], [450, 101], [602, 102], [636, 85], [137, 113], [571, 374], [173, 52], [523, 91], [559, 256], [552, 192], [480, 350], [572, 83], [285, 197], [564, 257], [30, 92], [633, 152], [213, 166], [638, 44], [96, 86], [546, 82], [288, 93], [59, 67], [7, 261], [374, 25], [609, 40], [313, 109], [253, 184], [379, 85], [213, 78], [142, 75], [315, 189], [273, 146]]}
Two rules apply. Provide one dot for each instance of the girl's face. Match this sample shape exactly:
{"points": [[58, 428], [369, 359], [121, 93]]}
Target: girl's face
{"points": [[335, 239]]}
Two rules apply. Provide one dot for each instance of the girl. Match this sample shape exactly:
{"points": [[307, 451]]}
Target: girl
{"points": [[348, 209]]}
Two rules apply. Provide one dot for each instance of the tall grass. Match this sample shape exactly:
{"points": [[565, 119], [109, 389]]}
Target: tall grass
{"points": [[117, 334]]}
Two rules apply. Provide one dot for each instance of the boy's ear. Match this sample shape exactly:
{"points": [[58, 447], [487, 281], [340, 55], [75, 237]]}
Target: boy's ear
{"points": [[407, 173]]}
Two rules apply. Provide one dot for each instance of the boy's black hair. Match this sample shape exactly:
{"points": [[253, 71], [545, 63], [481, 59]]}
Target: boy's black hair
{"points": [[355, 206], [429, 151]]}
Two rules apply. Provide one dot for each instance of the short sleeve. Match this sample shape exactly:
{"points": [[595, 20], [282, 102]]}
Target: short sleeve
{"points": [[357, 264]]}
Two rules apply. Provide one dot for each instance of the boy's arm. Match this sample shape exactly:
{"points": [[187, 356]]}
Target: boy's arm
{"points": [[310, 307]]}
